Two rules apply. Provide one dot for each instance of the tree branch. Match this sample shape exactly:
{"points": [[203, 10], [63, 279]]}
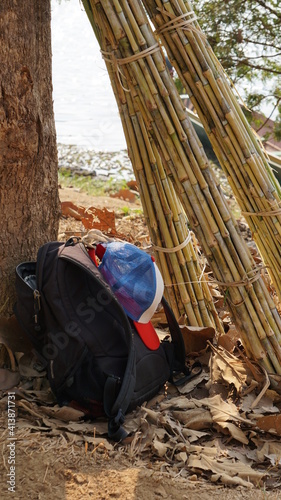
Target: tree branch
{"points": [[256, 66], [266, 7]]}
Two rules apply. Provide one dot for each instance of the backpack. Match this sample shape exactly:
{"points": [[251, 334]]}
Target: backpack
{"points": [[94, 358]]}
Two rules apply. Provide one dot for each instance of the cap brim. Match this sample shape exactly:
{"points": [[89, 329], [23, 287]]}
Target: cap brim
{"points": [[159, 290], [148, 335]]}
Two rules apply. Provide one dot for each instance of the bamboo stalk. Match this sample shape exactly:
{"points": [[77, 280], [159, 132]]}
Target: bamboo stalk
{"points": [[213, 98], [184, 160], [161, 208]]}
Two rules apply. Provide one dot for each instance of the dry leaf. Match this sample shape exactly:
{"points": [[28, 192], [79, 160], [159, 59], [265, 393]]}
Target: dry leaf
{"points": [[151, 414], [91, 217], [159, 448], [265, 404], [270, 423], [124, 194], [228, 369], [272, 451], [196, 419], [180, 403], [27, 366], [195, 338], [65, 413], [221, 410], [133, 185], [193, 435], [226, 342], [226, 479], [223, 466], [8, 379], [234, 431], [97, 428], [190, 386], [181, 457]]}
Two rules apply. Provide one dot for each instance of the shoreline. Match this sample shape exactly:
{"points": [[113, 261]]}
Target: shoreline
{"points": [[87, 162]]}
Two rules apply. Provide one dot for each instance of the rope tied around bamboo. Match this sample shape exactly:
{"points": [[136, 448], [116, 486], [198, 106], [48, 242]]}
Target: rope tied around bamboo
{"points": [[117, 61], [177, 22], [246, 281], [264, 213], [173, 249]]}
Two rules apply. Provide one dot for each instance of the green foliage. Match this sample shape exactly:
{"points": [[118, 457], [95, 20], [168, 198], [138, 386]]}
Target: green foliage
{"points": [[246, 38], [179, 85], [94, 186]]}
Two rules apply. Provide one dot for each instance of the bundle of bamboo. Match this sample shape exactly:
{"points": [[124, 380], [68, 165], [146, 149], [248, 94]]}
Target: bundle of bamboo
{"points": [[186, 289], [235, 145], [171, 145]]}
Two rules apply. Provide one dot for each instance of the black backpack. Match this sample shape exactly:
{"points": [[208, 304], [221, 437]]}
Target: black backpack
{"points": [[94, 357]]}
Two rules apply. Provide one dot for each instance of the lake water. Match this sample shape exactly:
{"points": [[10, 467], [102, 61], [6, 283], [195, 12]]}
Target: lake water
{"points": [[86, 112]]}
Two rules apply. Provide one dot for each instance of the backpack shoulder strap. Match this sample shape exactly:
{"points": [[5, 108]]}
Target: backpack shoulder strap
{"points": [[114, 406], [52, 246], [176, 336], [178, 364]]}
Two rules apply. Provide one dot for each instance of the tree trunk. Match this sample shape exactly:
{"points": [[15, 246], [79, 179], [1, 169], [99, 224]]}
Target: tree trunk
{"points": [[29, 203]]}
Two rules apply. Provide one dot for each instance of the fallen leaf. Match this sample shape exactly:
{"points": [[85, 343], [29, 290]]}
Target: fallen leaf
{"points": [[270, 423], [265, 404], [180, 403], [190, 386], [65, 413], [196, 419], [181, 457], [222, 413], [8, 379], [92, 217], [226, 342], [193, 435], [159, 448], [270, 450], [223, 466], [228, 369], [124, 194], [234, 431], [196, 338], [27, 366], [133, 185], [226, 479]]}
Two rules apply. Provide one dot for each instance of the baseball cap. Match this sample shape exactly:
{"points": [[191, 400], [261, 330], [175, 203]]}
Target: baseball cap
{"points": [[137, 284]]}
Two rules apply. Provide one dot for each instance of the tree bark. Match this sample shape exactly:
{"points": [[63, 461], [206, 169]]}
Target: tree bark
{"points": [[29, 202]]}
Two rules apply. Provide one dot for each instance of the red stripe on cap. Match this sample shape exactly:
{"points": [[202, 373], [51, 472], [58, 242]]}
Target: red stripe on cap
{"points": [[148, 335]]}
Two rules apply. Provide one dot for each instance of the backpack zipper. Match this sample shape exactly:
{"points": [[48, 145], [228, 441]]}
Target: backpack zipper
{"points": [[37, 308]]}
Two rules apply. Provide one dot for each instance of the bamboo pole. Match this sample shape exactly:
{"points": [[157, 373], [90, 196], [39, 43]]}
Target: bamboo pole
{"points": [[236, 146], [184, 161], [166, 219]]}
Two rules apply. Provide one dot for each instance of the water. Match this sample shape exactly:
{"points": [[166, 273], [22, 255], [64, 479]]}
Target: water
{"points": [[86, 112]]}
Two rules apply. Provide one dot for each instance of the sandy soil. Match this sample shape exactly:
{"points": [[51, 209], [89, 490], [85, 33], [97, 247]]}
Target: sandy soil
{"points": [[53, 475]]}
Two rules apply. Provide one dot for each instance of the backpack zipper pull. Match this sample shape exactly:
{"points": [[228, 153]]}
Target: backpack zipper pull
{"points": [[37, 307]]}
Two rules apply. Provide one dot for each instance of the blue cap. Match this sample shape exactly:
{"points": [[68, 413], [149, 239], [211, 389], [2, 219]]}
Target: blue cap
{"points": [[134, 278]]}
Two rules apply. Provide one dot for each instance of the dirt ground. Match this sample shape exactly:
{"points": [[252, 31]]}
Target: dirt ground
{"points": [[45, 473], [57, 464]]}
